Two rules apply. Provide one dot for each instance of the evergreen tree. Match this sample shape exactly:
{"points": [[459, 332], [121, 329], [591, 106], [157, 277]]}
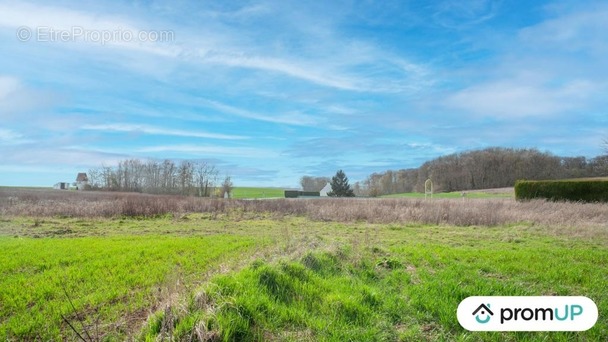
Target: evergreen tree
{"points": [[339, 186]]}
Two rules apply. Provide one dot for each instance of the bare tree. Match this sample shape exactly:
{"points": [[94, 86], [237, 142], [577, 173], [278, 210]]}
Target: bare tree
{"points": [[95, 178], [205, 178], [186, 178], [310, 183], [185, 174]]}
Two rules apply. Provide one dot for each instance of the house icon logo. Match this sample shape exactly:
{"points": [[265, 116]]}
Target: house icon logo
{"points": [[483, 310]]}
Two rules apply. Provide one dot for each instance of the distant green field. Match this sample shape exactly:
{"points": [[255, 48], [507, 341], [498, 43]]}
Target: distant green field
{"points": [[9, 187], [245, 192], [455, 194]]}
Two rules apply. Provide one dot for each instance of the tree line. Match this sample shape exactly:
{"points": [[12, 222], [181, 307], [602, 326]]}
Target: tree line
{"points": [[482, 169], [310, 183], [187, 177]]}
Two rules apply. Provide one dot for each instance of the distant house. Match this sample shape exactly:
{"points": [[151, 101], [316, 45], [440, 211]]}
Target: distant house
{"points": [[325, 190], [62, 186], [82, 181]]}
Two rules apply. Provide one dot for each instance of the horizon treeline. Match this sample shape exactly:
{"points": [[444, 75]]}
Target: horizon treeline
{"points": [[493, 167], [188, 177]]}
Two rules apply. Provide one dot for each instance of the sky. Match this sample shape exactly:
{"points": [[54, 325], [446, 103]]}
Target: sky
{"points": [[269, 91]]}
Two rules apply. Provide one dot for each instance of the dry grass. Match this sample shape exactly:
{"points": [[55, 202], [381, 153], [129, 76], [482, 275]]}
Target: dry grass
{"points": [[468, 212], [49, 203]]}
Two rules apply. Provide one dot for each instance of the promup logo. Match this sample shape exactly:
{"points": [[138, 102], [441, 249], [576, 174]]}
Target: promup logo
{"points": [[483, 310], [550, 313]]}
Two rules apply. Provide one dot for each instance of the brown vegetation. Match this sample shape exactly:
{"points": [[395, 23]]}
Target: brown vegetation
{"points": [[468, 212]]}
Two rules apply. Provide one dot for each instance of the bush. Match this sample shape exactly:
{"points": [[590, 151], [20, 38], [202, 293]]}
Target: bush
{"points": [[563, 190]]}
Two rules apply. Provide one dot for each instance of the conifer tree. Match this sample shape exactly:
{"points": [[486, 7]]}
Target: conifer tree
{"points": [[339, 186]]}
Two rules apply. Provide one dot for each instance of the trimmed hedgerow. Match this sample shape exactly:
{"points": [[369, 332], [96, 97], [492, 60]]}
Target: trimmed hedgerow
{"points": [[563, 190]]}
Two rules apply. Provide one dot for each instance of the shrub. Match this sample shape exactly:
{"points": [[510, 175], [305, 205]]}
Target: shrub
{"points": [[563, 190]]}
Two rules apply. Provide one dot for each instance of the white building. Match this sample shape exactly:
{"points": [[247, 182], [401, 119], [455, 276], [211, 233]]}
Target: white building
{"points": [[62, 186], [325, 190], [82, 181]]}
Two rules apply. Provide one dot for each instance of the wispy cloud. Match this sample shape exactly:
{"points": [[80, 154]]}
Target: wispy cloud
{"points": [[460, 14], [292, 118], [338, 64], [16, 97], [283, 67], [77, 28], [145, 129], [519, 98], [7, 86], [244, 152], [41, 156], [550, 69], [10, 137], [583, 29]]}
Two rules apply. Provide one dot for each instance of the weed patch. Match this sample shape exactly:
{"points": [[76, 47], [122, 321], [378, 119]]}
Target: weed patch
{"points": [[400, 293]]}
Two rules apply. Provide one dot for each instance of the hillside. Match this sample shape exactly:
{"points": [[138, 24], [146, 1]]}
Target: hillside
{"points": [[483, 169]]}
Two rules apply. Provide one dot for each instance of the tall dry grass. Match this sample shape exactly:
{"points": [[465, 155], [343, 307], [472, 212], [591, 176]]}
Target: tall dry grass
{"points": [[479, 212], [90, 204]]}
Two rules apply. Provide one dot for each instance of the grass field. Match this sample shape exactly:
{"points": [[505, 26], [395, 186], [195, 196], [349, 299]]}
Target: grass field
{"points": [[492, 193], [396, 282], [247, 275], [244, 192], [113, 272]]}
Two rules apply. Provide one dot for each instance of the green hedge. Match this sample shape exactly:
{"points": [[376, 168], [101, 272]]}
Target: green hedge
{"points": [[563, 190], [296, 193], [292, 193]]}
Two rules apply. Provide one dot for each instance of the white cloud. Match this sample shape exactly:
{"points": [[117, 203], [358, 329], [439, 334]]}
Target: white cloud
{"points": [[8, 135], [12, 138], [243, 152], [579, 30], [519, 98], [296, 70], [16, 97], [331, 60], [56, 156], [8, 85], [458, 14], [145, 129], [42, 21], [555, 67]]}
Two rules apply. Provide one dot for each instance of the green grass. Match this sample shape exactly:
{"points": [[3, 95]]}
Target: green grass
{"points": [[16, 187], [455, 194], [282, 279], [109, 278], [245, 192], [403, 292]]}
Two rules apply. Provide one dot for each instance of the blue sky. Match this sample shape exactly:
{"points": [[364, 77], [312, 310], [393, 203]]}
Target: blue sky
{"points": [[272, 90]]}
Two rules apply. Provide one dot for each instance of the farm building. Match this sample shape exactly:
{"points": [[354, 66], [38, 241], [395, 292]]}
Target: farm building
{"points": [[82, 181], [325, 190], [62, 186]]}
